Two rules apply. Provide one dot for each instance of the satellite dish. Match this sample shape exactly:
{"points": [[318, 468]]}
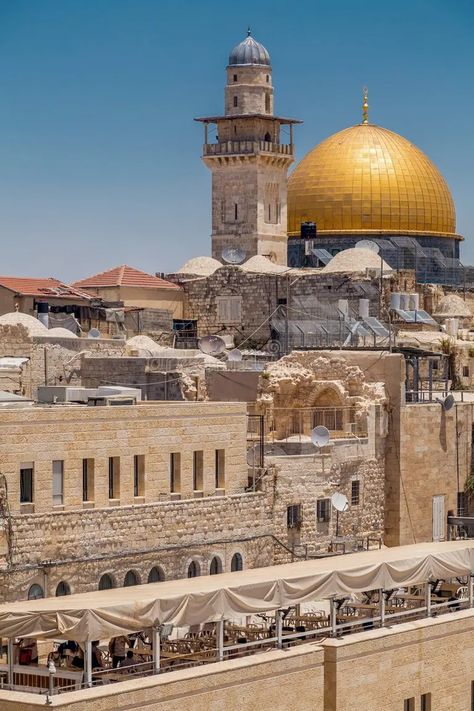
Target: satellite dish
{"points": [[339, 501], [94, 333], [211, 345], [447, 403], [233, 255], [368, 244], [234, 355], [320, 436]]}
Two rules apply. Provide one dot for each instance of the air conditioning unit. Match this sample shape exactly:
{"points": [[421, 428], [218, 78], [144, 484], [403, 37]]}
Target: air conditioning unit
{"points": [[110, 401]]}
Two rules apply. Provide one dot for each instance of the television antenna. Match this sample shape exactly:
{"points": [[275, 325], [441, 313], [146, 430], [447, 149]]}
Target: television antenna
{"points": [[320, 436], [447, 403], [234, 355], [340, 503], [233, 255], [93, 333], [368, 244], [211, 345]]}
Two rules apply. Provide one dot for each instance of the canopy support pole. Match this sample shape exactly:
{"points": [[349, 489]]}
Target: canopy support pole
{"points": [[428, 598], [279, 628], [382, 607], [220, 640], [156, 649], [88, 662], [333, 616], [10, 663], [471, 590]]}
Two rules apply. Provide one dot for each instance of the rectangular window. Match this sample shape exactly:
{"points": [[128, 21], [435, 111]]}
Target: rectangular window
{"points": [[58, 482], [472, 695], [323, 510], [465, 371], [235, 77], [461, 503], [220, 469], [269, 213], [88, 480], [409, 705], [355, 493], [425, 702], [198, 469], [236, 102], [26, 482], [175, 472], [294, 516], [229, 309], [139, 475], [114, 477], [236, 211]]}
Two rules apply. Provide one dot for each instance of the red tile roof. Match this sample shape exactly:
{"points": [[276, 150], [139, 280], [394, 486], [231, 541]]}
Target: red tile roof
{"points": [[125, 276], [26, 286]]}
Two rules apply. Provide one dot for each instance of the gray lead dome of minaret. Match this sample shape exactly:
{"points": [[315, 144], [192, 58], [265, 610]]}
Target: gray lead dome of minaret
{"points": [[249, 52]]}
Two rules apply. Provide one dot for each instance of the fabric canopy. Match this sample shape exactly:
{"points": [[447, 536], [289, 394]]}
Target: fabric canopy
{"points": [[108, 613]]}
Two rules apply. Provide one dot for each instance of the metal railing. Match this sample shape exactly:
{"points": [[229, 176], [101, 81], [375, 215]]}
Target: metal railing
{"points": [[236, 147]]}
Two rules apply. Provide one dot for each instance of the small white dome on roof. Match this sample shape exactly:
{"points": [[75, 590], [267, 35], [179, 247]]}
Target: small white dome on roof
{"points": [[60, 332], [355, 260], [32, 325], [200, 266], [262, 265]]}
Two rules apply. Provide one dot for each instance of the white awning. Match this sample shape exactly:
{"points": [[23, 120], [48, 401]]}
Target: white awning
{"points": [[107, 613]]}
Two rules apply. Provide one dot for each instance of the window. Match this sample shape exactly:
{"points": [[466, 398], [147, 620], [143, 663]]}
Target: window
{"points": [[294, 516], [267, 103], [269, 213], [461, 503], [472, 695], [139, 475], [236, 101], [425, 702], [465, 371], [194, 570], [198, 468], [156, 575], [106, 582], [323, 510], [268, 78], [58, 482], [131, 578], [409, 705], [26, 482], [175, 472], [236, 211], [236, 563], [235, 77], [63, 589], [114, 477], [229, 309], [35, 592], [88, 480], [216, 566], [355, 492], [220, 468]]}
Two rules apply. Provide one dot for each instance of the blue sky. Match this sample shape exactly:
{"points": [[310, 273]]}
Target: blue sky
{"points": [[99, 155]]}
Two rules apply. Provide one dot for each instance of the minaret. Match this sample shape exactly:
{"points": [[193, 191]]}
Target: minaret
{"points": [[249, 163]]}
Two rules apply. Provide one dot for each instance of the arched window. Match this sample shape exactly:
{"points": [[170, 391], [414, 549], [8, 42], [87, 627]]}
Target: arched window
{"points": [[106, 582], [267, 103], [131, 578], [236, 562], [216, 566], [63, 589], [35, 592], [156, 575], [267, 138], [194, 570]]}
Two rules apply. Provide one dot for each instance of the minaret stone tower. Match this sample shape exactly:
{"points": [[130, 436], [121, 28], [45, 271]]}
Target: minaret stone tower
{"points": [[249, 163]]}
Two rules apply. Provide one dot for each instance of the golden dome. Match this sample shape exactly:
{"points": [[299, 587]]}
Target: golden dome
{"points": [[370, 180]]}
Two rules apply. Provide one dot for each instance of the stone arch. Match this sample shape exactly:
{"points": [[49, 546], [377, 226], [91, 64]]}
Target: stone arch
{"points": [[131, 578], [107, 582]]}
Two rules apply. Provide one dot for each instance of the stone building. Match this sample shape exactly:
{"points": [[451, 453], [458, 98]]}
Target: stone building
{"points": [[249, 163]]}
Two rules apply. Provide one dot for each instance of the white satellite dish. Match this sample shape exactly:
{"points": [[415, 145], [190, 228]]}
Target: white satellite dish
{"points": [[368, 244], [320, 436], [211, 345], [233, 255], [447, 403], [234, 355], [339, 501], [94, 333]]}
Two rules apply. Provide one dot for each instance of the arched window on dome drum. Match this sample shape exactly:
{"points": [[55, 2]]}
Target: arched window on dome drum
{"points": [[131, 578], [35, 592], [156, 575], [216, 566], [106, 582], [237, 563], [63, 589], [194, 570]]}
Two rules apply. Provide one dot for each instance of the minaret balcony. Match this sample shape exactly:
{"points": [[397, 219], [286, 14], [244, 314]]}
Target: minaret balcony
{"points": [[227, 148]]}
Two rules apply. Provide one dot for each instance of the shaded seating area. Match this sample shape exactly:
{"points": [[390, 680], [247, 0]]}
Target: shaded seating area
{"points": [[104, 636]]}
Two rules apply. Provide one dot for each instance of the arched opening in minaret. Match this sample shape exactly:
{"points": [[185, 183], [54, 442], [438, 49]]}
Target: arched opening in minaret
{"points": [[267, 103], [267, 137]]}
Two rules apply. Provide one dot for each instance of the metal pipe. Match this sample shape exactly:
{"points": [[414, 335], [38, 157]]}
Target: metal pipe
{"points": [[88, 662], [220, 640], [471, 590], [428, 598], [279, 628], [156, 649], [382, 607], [333, 616], [10, 663]]}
